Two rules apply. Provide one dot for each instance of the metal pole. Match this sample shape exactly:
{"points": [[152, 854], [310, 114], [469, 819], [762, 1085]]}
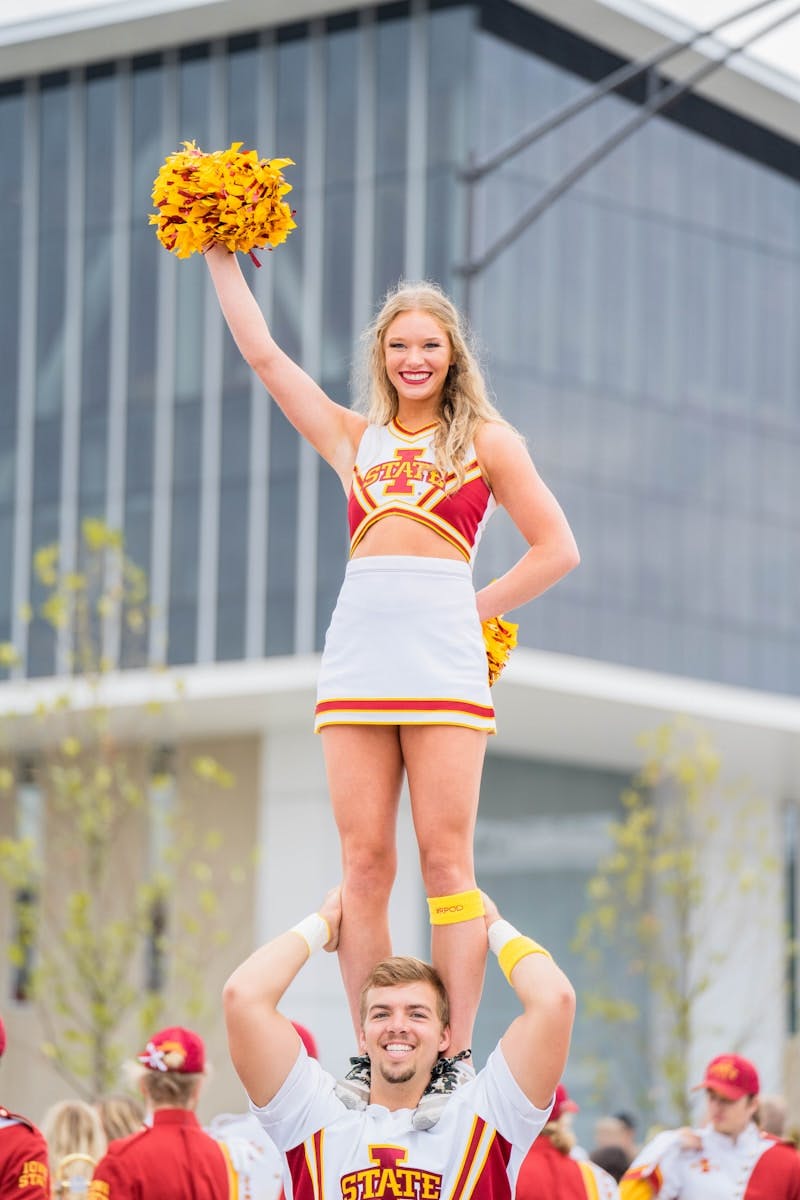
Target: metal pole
{"points": [[657, 104], [615, 80]]}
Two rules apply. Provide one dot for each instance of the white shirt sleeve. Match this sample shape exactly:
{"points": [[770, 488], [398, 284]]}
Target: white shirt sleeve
{"points": [[254, 1157], [662, 1154], [305, 1103], [502, 1103]]}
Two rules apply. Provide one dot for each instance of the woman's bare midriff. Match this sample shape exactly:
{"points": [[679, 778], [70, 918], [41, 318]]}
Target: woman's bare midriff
{"points": [[403, 535]]}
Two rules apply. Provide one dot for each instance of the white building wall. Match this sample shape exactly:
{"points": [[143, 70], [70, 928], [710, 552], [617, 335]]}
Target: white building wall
{"points": [[742, 939]]}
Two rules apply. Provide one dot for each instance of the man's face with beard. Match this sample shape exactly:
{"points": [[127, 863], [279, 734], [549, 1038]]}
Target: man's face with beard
{"points": [[402, 1034]]}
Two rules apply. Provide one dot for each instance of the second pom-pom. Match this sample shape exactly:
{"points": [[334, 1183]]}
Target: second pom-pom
{"points": [[231, 197], [499, 638]]}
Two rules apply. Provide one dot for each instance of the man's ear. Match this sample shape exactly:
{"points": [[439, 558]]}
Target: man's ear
{"points": [[362, 1042], [444, 1040]]}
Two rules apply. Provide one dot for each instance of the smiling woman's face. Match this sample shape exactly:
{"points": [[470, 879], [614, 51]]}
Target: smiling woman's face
{"points": [[418, 355]]}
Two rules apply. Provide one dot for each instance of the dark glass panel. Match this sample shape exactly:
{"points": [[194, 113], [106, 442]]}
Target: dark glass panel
{"points": [[92, 477], [391, 119], [6, 556], [233, 525], [51, 275], [232, 571], [242, 117], [148, 153], [11, 139], [101, 100], [287, 265], [183, 577], [282, 537]]}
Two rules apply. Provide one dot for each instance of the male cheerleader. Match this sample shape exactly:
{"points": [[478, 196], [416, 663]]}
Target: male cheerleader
{"points": [[487, 1126]]}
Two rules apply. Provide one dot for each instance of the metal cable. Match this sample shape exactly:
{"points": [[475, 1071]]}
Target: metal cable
{"points": [[615, 80], [654, 105]]}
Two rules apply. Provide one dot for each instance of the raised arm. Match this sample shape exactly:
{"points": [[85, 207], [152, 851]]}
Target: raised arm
{"points": [[536, 1044], [518, 487], [333, 431], [264, 1045]]}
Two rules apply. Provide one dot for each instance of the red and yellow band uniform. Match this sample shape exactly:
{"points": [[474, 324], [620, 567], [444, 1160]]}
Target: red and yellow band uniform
{"points": [[23, 1159], [173, 1158], [24, 1172], [548, 1171]]}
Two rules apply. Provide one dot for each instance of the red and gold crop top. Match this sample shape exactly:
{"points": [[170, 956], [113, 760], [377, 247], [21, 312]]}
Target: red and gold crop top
{"points": [[395, 475]]}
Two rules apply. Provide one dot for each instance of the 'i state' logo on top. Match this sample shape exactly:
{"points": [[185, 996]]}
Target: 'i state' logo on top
{"points": [[406, 468]]}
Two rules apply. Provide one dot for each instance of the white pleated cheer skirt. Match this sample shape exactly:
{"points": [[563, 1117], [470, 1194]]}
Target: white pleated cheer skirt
{"points": [[405, 647]]}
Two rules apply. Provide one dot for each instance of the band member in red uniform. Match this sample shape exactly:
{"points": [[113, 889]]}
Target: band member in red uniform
{"points": [[172, 1159], [549, 1172], [24, 1172], [728, 1158]]}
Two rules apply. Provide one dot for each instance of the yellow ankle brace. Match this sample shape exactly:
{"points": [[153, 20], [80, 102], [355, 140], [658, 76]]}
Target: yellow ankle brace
{"points": [[461, 906]]}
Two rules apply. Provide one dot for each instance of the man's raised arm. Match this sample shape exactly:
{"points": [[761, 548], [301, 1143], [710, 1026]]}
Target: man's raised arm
{"points": [[536, 1044], [263, 1044]]}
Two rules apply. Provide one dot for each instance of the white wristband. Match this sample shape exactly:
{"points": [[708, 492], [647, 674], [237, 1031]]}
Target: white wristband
{"points": [[500, 934], [314, 930]]}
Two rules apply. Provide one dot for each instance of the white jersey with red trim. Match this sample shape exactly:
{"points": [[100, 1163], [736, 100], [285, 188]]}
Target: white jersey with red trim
{"points": [[258, 1165], [474, 1152], [395, 475], [752, 1166]]}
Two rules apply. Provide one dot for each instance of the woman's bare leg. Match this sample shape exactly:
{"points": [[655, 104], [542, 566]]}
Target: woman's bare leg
{"points": [[364, 766], [444, 765]]}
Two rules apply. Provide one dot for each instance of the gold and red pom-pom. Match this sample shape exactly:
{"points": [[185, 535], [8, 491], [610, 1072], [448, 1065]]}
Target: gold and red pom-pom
{"points": [[499, 638], [232, 197]]}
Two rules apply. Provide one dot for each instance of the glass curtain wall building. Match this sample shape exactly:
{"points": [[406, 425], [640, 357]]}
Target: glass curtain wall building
{"points": [[641, 333]]}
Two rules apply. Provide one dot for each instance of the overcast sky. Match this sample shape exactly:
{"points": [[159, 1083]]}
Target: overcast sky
{"points": [[781, 49]]}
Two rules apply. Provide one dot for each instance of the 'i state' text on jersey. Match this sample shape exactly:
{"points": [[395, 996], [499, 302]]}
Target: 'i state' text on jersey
{"points": [[395, 475]]}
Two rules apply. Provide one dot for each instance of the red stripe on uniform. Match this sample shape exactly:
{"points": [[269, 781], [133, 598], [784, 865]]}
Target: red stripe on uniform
{"points": [[306, 1186], [476, 710], [318, 1160], [493, 1182], [469, 1157]]}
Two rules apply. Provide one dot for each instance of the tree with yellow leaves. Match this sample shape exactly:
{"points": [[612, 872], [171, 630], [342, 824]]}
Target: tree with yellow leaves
{"points": [[116, 906], [684, 845]]}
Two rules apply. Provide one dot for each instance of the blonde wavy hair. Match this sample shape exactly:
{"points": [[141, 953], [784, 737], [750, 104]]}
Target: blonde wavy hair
{"points": [[120, 1114], [560, 1135], [72, 1127], [465, 402]]}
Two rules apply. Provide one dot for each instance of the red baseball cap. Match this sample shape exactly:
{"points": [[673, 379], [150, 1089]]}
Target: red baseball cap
{"points": [[732, 1076], [308, 1039], [2, 1037], [562, 1104], [174, 1049]]}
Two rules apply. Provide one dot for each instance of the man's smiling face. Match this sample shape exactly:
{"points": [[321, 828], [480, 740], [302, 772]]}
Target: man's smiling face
{"points": [[403, 1034]]}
